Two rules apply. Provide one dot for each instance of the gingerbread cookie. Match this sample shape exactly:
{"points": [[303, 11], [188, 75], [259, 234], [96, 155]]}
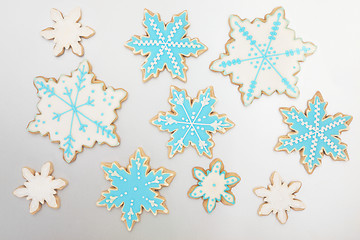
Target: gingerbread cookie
{"points": [[67, 32], [40, 187], [214, 185], [279, 198], [77, 111], [192, 121], [314, 133], [165, 45], [263, 56], [135, 188]]}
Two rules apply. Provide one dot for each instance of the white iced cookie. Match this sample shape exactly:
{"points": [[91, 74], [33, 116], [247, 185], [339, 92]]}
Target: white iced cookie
{"points": [[67, 32], [40, 187], [77, 111], [279, 198], [214, 185]]}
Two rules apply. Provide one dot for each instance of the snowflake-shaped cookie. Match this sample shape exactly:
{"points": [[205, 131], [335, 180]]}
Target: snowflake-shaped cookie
{"points": [[165, 45], [214, 185], [192, 121], [67, 32], [263, 56], [279, 198], [77, 111], [314, 133], [135, 188], [40, 187]]}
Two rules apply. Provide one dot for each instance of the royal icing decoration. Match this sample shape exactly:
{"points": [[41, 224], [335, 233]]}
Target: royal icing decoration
{"points": [[279, 198], [135, 188], [40, 187], [67, 32], [192, 121], [263, 56], [165, 45], [77, 111], [214, 185], [314, 133]]}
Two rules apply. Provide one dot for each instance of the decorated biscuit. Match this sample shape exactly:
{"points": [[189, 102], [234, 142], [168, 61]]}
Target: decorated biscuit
{"points": [[314, 133], [77, 111], [279, 198], [263, 56], [192, 121], [165, 45], [67, 32], [214, 185], [40, 187], [135, 188]]}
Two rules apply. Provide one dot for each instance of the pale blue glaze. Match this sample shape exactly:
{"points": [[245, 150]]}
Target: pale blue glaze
{"points": [[165, 45], [192, 123], [134, 189], [314, 133]]}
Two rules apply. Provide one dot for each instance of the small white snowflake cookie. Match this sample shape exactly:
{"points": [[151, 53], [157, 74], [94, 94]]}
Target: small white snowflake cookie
{"points": [[77, 111], [279, 198], [40, 187], [67, 32], [214, 185]]}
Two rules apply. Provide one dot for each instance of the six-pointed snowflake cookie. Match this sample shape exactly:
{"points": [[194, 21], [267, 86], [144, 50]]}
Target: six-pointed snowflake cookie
{"points": [[67, 32], [135, 188], [192, 121], [165, 45], [263, 56], [214, 185], [279, 198], [77, 111], [40, 187], [314, 133]]}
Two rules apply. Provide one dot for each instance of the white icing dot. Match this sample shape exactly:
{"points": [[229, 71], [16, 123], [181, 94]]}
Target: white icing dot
{"points": [[135, 188], [125, 193]]}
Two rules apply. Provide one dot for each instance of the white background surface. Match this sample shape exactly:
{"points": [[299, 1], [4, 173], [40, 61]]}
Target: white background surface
{"points": [[331, 193]]}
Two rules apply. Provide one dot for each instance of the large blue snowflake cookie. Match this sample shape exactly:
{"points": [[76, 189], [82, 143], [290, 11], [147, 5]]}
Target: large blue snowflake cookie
{"points": [[192, 121], [135, 188], [214, 185], [165, 45], [314, 133], [263, 56], [77, 111]]}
